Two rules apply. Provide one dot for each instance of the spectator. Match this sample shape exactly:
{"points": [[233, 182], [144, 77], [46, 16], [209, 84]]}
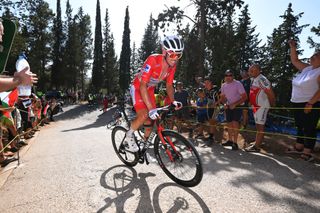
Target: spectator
{"points": [[246, 82], [212, 93], [202, 110], [232, 95], [182, 96], [199, 82], [36, 108], [105, 103], [19, 78], [305, 94], [261, 98]]}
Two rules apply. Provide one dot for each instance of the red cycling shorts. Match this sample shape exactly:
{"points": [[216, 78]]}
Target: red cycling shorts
{"points": [[138, 103]]}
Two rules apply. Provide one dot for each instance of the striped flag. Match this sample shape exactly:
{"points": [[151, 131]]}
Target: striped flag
{"points": [[8, 99]]}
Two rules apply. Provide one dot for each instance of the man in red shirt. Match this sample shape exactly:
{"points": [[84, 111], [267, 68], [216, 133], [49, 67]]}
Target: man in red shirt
{"points": [[156, 68]]}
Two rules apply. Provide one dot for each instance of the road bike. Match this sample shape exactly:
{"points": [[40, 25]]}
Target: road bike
{"points": [[176, 155]]}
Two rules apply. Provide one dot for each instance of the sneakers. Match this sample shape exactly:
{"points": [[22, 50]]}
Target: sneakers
{"points": [[252, 148], [228, 143], [234, 146], [208, 142], [306, 157], [130, 144], [150, 158]]}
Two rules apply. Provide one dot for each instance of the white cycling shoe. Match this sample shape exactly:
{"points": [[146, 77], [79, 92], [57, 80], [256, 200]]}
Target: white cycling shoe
{"points": [[130, 144]]}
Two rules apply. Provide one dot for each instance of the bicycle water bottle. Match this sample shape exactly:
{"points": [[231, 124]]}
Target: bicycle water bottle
{"points": [[23, 90]]}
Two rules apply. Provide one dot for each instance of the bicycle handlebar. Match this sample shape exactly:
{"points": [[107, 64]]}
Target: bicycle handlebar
{"points": [[163, 111]]}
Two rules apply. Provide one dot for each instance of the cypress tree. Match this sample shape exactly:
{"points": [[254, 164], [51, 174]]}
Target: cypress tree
{"points": [[110, 60], [135, 62], [56, 76], [85, 39], [72, 51], [125, 55], [97, 67]]}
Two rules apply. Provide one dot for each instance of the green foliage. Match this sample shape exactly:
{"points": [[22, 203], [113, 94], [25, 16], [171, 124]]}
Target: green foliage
{"points": [[97, 67], [111, 71], [312, 43], [125, 55], [213, 31], [84, 33], [279, 69], [71, 59], [135, 62], [58, 41], [247, 43], [38, 37], [187, 68], [150, 41]]}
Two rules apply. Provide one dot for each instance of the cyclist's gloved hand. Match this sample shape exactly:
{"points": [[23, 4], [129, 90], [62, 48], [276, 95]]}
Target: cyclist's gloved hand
{"points": [[177, 105], [153, 114]]}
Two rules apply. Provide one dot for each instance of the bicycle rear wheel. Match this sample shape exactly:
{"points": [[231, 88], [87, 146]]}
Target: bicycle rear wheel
{"points": [[118, 134], [185, 167]]}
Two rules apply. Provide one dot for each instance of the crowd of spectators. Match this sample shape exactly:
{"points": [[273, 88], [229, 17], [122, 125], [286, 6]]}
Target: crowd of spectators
{"points": [[254, 93]]}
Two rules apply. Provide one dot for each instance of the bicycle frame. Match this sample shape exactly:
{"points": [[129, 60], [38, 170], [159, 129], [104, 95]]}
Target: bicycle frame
{"points": [[160, 128]]}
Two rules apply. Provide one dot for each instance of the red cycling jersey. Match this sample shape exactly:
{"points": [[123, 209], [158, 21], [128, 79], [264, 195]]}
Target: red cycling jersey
{"points": [[152, 74]]}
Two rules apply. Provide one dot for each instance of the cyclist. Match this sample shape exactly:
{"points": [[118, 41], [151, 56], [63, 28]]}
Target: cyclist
{"points": [[156, 68]]}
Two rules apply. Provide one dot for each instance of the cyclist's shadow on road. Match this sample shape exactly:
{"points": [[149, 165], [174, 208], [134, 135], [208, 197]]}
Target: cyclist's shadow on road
{"points": [[125, 182]]}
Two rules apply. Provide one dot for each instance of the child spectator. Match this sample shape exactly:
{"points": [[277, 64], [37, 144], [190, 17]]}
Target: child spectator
{"points": [[202, 110]]}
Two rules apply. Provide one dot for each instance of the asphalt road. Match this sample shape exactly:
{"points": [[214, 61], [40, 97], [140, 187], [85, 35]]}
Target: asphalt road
{"points": [[70, 166]]}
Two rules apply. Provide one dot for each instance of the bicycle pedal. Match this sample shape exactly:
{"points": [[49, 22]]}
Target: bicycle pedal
{"points": [[141, 160]]}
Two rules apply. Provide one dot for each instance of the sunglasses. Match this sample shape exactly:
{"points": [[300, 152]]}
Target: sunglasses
{"points": [[174, 55], [228, 75]]}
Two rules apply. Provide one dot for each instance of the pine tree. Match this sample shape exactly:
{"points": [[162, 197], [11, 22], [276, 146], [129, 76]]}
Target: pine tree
{"points": [[209, 13], [280, 70], [38, 39], [312, 43], [247, 43], [222, 51], [150, 41], [97, 67], [56, 75], [125, 55], [187, 67]]}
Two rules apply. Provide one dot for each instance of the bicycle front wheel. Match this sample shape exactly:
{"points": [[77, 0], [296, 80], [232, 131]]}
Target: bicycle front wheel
{"points": [[118, 134], [181, 162]]}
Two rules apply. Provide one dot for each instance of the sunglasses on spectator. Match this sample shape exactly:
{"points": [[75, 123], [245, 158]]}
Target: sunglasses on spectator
{"points": [[228, 75], [174, 55]]}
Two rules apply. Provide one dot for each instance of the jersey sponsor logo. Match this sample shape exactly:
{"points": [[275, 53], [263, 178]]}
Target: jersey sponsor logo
{"points": [[264, 82], [147, 68], [153, 82]]}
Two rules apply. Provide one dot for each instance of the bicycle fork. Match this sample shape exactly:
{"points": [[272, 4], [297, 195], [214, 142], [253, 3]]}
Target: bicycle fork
{"points": [[170, 153]]}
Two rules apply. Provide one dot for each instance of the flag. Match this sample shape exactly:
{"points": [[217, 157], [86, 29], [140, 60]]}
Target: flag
{"points": [[8, 99]]}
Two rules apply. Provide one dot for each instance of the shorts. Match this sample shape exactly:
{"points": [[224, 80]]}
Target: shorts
{"points": [[233, 114], [201, 118], [137, 101], [183, 113], [260, 115]]}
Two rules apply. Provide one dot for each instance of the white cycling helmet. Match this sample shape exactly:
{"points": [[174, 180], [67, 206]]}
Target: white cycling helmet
{"points": [[173, 43]]}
